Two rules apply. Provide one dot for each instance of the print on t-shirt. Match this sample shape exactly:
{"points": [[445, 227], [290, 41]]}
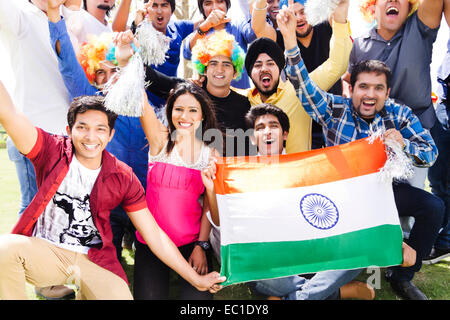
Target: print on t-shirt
{"points": [[80, 229], [67, 219]]}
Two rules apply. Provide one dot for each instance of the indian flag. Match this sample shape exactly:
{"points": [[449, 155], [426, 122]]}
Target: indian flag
{"points": [[325, 209]]}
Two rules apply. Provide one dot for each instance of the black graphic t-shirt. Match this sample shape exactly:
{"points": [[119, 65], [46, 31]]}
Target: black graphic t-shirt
{"points": [[67, 220]]}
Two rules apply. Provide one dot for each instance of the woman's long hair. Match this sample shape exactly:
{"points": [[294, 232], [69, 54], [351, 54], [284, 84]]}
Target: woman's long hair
{"points": [[209, 118]]}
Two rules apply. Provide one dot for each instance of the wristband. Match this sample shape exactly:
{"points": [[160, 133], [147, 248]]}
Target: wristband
{"points": [[200, 32], [203, 244]]}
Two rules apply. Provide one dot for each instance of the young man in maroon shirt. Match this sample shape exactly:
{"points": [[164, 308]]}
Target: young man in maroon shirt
{"points": [[64, 234]]}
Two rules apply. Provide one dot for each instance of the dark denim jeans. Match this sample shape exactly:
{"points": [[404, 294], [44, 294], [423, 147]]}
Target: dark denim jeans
{"points": [[428, 212], [439, 176]]}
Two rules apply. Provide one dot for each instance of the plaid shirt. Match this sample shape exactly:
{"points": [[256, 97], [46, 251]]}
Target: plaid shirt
{"points": [[342, 124]]}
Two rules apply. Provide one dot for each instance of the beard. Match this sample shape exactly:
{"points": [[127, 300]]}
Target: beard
{"points": [[267, 93], [304, 34]]}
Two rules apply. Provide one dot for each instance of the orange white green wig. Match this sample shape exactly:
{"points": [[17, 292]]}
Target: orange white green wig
{"points": [[367, 8], [215, 44], [96, 50]]}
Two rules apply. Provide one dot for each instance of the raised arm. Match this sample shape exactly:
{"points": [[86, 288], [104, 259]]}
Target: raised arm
{"points": [[208, 176], [430, 12], [259, 23], [18, 127], [71, 71], [215, 18], [331, 71], [447, 11], [119, 23], [314, 100], [155, 131]]}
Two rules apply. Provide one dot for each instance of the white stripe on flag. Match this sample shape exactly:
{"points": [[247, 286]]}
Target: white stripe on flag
{"points": [[361, 202]]}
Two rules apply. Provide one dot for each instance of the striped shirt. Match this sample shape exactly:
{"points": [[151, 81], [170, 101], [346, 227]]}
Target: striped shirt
{"points": [[342, 124]]}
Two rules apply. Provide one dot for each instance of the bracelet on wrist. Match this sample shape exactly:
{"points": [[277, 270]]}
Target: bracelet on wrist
{"points": [[200, 32], [205, 245]]}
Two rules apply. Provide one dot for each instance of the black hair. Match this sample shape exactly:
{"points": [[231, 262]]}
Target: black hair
{"points": [[172, 3], [367, 66], [82, 104], [200, 6], [266, 108], [209, 117]]}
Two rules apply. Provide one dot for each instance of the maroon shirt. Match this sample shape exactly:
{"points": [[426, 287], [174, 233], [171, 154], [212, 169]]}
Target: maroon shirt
{"points": [[116, 185]]}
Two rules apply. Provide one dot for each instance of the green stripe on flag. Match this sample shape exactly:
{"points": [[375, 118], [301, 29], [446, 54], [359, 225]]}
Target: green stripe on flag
{"points": [[377, 246]]}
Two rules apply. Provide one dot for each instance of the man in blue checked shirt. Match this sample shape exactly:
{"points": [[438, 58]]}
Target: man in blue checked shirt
{"points": [[368, 110]]}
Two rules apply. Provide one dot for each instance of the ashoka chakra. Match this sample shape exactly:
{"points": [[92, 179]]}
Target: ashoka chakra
{"points": [[319, 211]]}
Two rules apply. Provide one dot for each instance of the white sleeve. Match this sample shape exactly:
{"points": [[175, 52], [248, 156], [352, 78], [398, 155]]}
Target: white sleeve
{"points": [[12, 18]]}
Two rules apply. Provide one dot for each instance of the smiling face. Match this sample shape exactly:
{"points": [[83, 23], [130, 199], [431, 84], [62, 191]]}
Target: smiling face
{"points": [[105, 73], [268, 135], [220, 72], [391, 14], [265, 75], [369, 94], [273, 7], [303, 27], [90, 134], [186, 114], [162, 12]]}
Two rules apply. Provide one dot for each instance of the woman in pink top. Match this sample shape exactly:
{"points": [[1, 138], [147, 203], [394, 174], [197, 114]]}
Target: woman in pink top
{"points": [[175, 188]]}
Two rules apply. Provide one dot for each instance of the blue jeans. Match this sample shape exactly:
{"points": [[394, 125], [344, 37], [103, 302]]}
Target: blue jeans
{"points": [[439, 176], [25, 174], [129, 145], [323, 285], [428, 212]]}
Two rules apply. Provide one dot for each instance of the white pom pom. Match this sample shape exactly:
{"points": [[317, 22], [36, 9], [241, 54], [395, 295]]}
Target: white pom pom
{"points": [[318, 11], [153, 43], [398, 165], [125, 96]]}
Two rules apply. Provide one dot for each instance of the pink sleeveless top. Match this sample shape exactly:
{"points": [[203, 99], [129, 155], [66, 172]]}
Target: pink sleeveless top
{"points": [[173, 191]]}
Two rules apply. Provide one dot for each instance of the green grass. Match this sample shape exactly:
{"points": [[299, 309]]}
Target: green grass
{"points": [[432, 280]]}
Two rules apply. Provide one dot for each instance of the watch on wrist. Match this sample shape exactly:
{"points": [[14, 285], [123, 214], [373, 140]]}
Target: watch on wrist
{"points": [[203, 244], [200, 32]]}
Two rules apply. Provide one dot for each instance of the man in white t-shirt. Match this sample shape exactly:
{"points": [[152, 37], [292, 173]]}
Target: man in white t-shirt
{"points": [[36, 85], [87, 18]]}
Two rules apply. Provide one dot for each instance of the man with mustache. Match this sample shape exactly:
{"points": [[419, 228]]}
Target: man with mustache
{"points": [[265, 62], [403, 39], [215, 18], [86, 17], [314, 44], [367, 111], [400, 26]]}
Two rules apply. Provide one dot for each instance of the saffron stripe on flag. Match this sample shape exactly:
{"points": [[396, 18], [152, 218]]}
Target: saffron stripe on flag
{"points": [[326, 209], [258, 173]]}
